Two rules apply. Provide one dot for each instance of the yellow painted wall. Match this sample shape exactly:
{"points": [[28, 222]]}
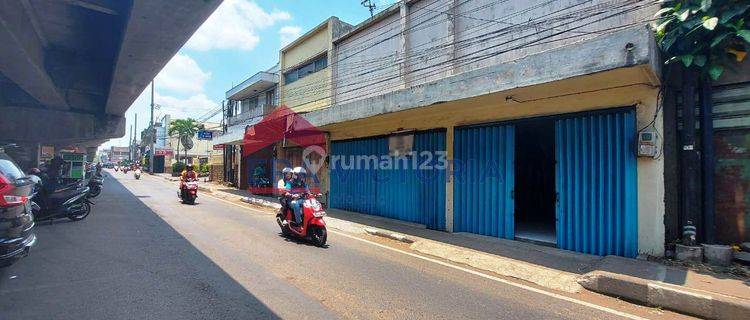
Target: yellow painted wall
{"points": [[312, 92], [309, 93], [617, 88], [314, 45]]}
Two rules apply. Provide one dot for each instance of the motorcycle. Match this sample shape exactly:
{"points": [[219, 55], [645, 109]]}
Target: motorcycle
{"points": [[125, 170], [262, 185], [117, 168], [188, 192], [68, 201], [312, 227], [95, 185], [137, 174]]}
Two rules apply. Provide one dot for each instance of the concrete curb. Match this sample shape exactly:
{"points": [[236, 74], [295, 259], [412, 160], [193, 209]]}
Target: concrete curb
{"points": [[261, 202], [543, 276], [204, 189], [389, 235], [653, 293]]}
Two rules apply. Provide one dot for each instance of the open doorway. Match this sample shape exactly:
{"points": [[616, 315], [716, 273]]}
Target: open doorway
{"points": [[535, 181]]}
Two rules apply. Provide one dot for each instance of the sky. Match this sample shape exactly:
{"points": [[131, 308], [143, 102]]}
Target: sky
{"points": [[239, 39]]}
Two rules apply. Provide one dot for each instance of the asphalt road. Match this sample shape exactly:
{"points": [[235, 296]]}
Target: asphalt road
{"points": [[143, 255]]}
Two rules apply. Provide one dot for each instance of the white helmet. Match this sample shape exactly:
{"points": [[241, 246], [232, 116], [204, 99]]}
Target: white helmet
{"points": [[298, 170], [286, 170]]}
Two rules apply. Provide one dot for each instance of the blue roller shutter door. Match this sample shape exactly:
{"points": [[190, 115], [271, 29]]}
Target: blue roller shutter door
{"points": [[409, 193], [596, 184], [484, 180]]}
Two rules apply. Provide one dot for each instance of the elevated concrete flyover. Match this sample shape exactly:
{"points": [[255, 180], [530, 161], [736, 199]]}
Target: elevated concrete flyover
{"points": [[69, 69]]}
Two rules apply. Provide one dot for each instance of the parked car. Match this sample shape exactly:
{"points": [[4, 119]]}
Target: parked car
{"points": [[16, 218]]}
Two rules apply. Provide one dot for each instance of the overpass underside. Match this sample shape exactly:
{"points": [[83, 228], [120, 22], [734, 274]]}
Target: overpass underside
{"points": [[69, 69]]}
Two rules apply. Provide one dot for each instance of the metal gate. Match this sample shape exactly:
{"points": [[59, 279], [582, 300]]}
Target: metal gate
{"points": [[484, 180], [596, 183], [412, 191]]}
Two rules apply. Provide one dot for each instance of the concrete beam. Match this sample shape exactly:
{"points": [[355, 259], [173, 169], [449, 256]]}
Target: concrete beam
{"points": [[92, 6], [154, 33], [58, 127], [627, 48], [22, 45]]}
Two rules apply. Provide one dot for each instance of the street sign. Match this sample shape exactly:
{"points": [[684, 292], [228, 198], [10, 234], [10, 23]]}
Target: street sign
{"points": [[205, 135], [187, 142], [218, 147]]}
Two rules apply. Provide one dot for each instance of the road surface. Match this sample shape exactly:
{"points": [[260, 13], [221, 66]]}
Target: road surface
{"points": [[143, 255]]}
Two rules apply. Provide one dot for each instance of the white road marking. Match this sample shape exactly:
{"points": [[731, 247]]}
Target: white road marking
{"points": [[476, 273]]}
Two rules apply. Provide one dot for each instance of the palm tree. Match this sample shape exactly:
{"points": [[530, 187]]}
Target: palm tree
{"points": [[183, 127]]}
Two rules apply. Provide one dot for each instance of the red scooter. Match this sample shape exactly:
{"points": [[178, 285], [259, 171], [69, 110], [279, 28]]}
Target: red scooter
{"points": [[312, 227], [188, 191]]}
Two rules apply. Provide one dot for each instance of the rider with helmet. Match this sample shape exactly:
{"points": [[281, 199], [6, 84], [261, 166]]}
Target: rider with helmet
{"points": [[281, 187], [297, 186], [187, 175]]}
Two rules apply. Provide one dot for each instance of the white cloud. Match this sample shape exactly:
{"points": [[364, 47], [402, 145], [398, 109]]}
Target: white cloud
{"points": [[234, 25], [289, 34], [182, 75], [194, 106]]}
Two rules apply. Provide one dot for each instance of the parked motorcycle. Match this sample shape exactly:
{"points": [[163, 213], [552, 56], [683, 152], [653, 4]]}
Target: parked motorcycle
{"points": [[312, 227], [137, 174], [67, 201], [125, 169], [262, 185], [95, 185], [188, 192]]}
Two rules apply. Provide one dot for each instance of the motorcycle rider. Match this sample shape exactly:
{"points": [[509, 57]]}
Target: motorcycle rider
{"points": [[281, 187], [187, 175], [298, 187]]}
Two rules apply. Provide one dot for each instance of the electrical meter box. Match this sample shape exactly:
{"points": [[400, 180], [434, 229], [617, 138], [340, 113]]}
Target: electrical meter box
{"points": [[648, 144], [75, 164]]}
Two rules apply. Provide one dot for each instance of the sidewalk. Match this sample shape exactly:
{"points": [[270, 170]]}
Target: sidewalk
{"points": [[705, 295]]}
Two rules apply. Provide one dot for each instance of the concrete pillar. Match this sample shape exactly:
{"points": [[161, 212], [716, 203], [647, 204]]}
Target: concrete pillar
{"points": [[450, 39], [449, 179], [239, 167], [402, 48]]}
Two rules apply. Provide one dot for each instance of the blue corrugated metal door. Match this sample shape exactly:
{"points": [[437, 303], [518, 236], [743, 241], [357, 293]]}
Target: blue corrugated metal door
{"points": [[596, 184], [484, 180], [411, 189]]}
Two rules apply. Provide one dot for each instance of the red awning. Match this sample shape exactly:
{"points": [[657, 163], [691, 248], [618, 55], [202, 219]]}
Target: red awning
{"points": [[279, 124]]}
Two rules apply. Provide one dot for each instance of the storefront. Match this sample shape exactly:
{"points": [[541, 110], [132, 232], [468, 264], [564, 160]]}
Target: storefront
{"points": [[379, 177], [567, 181]]}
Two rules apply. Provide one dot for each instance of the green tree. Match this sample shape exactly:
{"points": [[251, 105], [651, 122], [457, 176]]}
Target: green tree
{"points": [[182, 127], [707, 35]]}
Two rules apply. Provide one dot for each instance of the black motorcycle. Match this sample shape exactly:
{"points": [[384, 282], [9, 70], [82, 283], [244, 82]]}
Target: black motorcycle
{"points": [[95, 185], [64, 201]]}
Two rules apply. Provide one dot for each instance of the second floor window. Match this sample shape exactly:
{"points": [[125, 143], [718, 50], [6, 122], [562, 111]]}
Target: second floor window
{"points": [[306, 69]]}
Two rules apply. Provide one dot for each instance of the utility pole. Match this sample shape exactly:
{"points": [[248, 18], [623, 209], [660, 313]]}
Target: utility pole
{"points": [[130, 144], [708, 164], [369, 5], [135, 137], [152, 132], [690, 161]]}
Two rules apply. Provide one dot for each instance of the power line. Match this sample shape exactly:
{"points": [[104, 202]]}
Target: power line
{"points": [[388, 63], [470, 59], [460, 44], [474, 56]]}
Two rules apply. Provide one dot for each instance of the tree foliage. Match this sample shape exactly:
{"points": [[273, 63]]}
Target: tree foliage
{"points": [[707, 35], [182, 127]]}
